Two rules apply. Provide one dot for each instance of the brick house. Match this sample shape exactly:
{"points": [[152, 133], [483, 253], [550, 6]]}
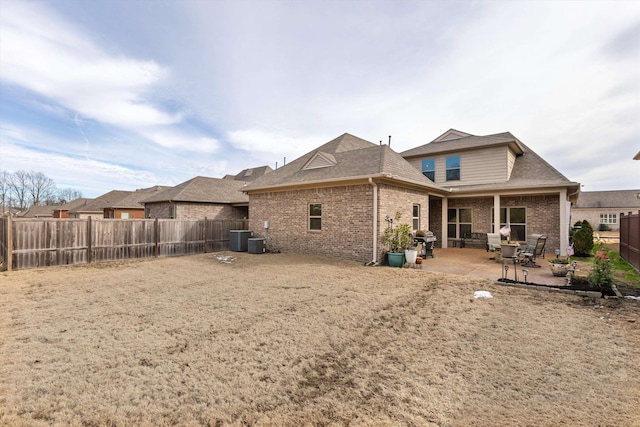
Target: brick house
{"points": [[199, 197], [62, 211], [333, 201], [605, 207], [95, 208], [130, 206]]}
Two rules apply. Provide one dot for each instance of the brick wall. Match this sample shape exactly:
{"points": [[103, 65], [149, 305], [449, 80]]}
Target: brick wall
{"points": [[347, 214], [543, 214], [196, 211]]}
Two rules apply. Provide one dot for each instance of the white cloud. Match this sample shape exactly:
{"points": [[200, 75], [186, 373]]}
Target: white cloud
{"points": [[174, 139], [259, 141], [45, 54]]}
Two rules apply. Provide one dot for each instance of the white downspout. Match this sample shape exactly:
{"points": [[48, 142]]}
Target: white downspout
{"points": [[375, 220]]}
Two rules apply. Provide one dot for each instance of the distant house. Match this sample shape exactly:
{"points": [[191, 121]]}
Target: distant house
{"points": [[62, 211], [95, 208], [37, 212], [199, 197], [131, 206], [334, 200], [603, 208]]}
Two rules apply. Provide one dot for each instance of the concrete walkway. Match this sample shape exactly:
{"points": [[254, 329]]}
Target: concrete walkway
{"points": [[477, 263]]}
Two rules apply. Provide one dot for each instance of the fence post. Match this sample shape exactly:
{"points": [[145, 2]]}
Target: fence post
{"points": [[89, 241], [9, 244], [155, 237], [206, 233]]}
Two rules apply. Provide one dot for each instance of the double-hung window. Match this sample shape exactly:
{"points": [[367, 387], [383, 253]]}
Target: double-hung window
{"points": [[458, 222], [429, 169], [608, 218], [315, 216], [416, 217], [453, 168]]}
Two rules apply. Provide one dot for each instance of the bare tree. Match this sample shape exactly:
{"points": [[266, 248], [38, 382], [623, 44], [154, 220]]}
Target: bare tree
{"points": [[5, 192], [41, 188], [19, 188], [66, 195]]}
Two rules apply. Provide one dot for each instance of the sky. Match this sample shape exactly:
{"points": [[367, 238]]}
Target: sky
{"points": [[113, 94]]}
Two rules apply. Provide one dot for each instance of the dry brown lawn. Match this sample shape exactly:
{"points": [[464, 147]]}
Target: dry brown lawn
{"points": [[287, 340]]}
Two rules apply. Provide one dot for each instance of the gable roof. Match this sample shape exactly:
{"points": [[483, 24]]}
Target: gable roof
{"points": [[38, 212], [455, 141], [609, 199], [346, 157], [250, 174], [98, 204], [134, 199], [202, 189], [81, 201]]}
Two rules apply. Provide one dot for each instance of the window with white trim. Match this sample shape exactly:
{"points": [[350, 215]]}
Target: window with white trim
{"points": [[416, 217], [429, 169], [516, 217], [315, 216], [458, 222], [608, 218]]}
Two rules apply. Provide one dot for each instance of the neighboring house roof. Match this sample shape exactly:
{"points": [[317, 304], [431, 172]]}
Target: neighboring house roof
{"points": [[38, 212], [73, 204], [609, 199], [134, 199], [202, 189], [344, 158], [637, 156], [250, 174], [98, 204]]}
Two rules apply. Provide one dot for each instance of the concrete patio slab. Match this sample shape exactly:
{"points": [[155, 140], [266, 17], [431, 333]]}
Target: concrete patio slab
{"points": [[478, 263]]}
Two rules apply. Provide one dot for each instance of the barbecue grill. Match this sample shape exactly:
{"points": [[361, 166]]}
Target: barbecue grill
{"points": [[426, 240]]}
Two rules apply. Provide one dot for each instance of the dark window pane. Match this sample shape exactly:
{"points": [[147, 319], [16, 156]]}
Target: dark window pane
{"points": [[416, 210], [431, 175], [416, 224], [518, 232], [452, 215], [451, 231], [503, 215], [465, 229], [465, 215], [315, 224], [518, 215], [453, 175], [315, 209]]}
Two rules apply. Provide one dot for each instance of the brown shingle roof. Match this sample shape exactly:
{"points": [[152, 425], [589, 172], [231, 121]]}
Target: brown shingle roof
{"points": [[204, 190], [250, 174], [99, 203], [38, 212], [464, 143], [350, 157], [609, 199], [134, 199]]}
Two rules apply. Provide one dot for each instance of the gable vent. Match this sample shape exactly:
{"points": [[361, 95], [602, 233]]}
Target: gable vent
{"points": [[320, 160]]}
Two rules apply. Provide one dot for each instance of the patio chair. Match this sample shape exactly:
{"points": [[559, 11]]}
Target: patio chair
{"points": [[493, 242], [535, 248]]}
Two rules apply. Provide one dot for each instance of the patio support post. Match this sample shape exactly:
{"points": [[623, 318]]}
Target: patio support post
{"points": [[496, 213], [445, 225], [564, 221]]}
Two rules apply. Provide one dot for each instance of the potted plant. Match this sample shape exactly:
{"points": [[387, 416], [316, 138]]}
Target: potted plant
{"points": [[559, 266], [411, 252], [398, 238]]}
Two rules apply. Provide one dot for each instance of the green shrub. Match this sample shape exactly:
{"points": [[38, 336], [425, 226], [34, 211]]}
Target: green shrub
{"points": [[604, 227], [601, 276], [583, 240]]}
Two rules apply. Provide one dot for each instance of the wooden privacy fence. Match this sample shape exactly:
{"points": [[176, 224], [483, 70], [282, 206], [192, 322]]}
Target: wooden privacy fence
{"points": [[630, 238], [34, 243]]}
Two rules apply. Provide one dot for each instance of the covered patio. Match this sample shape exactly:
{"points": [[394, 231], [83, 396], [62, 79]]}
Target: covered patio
{"points": [[478, 263]]}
